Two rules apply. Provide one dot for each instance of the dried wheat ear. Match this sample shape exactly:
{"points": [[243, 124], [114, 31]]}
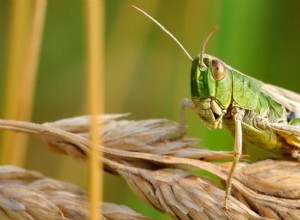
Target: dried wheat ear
{"points": [[26, 194], [156, 161]]}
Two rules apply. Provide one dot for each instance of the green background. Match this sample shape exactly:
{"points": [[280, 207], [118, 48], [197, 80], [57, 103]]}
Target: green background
{"points": [[146, 72]]}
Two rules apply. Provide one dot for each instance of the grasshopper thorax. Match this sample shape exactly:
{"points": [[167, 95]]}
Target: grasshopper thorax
{"points": [[211, 89]]}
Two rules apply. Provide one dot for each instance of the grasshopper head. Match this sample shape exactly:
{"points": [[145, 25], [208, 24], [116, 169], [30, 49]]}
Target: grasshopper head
{"points": [[211, 89]]}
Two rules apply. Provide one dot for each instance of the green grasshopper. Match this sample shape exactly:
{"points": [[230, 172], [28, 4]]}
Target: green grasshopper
{"points": [[256, 113]]}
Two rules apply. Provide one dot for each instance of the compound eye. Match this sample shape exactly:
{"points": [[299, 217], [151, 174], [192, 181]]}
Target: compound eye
{"points": [[218, 69]]}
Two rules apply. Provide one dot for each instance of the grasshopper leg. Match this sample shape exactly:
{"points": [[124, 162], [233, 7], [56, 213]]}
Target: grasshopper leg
{"points": [[295, 153], [237, 115], [183, 105], [291, 134], [288, 129]]}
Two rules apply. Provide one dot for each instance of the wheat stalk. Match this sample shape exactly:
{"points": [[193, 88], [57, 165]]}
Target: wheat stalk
{"points": [[155, 160]]}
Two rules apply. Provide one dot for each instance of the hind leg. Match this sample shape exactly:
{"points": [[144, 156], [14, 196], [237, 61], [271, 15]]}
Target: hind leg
{"points": [[294, 140], [295, 153], [291, 134]]}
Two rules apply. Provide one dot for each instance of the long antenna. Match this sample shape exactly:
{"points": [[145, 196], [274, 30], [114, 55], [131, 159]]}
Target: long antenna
{"points": [[213, 30], [165, 30]]}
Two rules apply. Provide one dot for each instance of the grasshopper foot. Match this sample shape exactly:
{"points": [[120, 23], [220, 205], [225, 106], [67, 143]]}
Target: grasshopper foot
{"points": [[184, 103], [225, 206], [295, 153]]}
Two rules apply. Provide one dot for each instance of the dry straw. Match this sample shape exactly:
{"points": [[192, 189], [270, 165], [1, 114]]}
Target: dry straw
{"points": [[24, 42], [94, 11], [156, 162]]}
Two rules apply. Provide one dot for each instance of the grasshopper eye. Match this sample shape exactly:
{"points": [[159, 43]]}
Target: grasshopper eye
{"points": [[218, 69]]}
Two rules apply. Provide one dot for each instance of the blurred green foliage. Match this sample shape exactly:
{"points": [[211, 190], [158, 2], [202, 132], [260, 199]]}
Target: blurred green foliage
{"points": [[146, 72]]}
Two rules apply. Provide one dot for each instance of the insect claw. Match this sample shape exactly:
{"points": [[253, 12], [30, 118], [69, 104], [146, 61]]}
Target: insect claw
{"points": [[296, 154], [184, 103], [182, 131], [225, 205]]}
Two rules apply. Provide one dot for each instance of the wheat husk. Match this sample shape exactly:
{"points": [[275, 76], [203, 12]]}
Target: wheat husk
{"points": [[28, 194], [156, 161]]}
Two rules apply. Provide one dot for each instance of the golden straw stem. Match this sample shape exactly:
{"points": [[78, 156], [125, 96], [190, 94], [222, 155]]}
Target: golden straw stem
{"points": [[95, 68], [21, 77], [26, 91], [28, 79], [15, 60]]}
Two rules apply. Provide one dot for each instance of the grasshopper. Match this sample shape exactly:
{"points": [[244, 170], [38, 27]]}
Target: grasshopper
{"points": [[257, 113]]}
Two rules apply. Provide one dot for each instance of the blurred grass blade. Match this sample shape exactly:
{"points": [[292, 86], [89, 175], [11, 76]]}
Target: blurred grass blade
{"points": [[95, 65], [23, 55]]}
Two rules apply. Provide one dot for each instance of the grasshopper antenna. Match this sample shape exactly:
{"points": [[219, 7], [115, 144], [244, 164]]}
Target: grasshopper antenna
{"points": [[165, 30], [210, 33]]}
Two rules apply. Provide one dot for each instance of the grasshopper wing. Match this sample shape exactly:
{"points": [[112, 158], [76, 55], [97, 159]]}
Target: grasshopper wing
{"points": [[290, 100]]}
